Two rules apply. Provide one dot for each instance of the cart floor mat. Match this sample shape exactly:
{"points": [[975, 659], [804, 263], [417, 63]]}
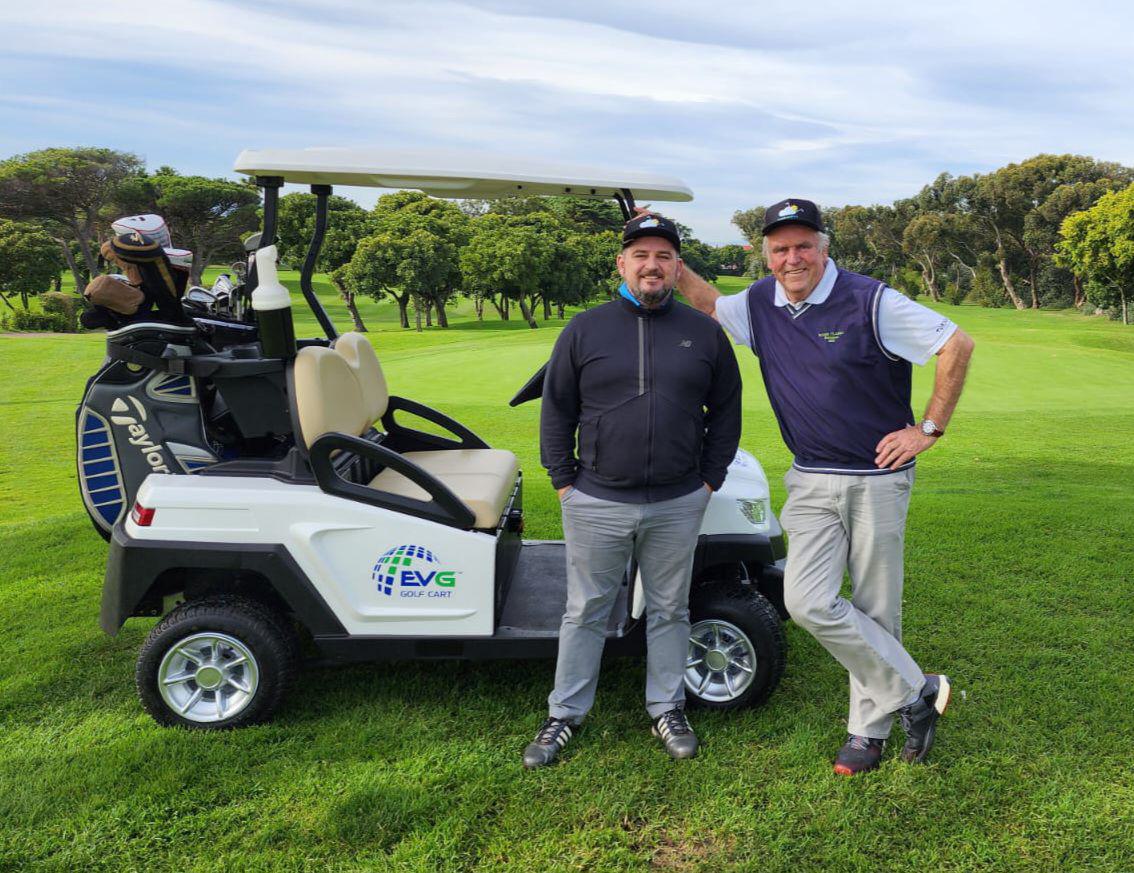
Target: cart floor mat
{"points": [[538, 594]]}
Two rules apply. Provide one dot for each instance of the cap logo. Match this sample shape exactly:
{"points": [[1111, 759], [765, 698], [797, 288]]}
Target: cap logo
{"points": [[788, 211], [649, 222]]}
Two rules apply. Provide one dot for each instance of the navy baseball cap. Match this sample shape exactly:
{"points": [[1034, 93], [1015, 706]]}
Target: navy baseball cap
{"points": [[792, 211], [650, 224]]}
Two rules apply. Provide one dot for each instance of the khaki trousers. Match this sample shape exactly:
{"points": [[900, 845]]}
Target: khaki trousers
{"points": [[838, 523]]}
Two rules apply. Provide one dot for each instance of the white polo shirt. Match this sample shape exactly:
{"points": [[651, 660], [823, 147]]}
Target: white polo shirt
{"points": [[906, 329]]}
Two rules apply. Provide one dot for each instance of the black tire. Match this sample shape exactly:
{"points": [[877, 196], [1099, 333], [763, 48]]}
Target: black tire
{"points": [[256, 628], [749, 612]]}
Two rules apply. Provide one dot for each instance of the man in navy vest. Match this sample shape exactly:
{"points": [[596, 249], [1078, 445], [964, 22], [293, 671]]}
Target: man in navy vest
{"points": [[835, 351]]}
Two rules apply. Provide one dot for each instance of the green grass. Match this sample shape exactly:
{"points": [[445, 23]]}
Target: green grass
{"points": [[1019, 583]]}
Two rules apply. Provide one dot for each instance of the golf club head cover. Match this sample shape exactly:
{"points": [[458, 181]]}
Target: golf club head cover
{"points": [[114, 293], [162, 285]]}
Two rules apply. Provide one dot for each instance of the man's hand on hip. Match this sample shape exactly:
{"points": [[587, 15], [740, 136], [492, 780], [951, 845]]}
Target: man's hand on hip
{"points": [[564, 490], [901, 446]]}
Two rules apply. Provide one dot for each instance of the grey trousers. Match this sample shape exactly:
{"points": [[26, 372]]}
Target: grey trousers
{"points": [[601, 536], [839, 523]]}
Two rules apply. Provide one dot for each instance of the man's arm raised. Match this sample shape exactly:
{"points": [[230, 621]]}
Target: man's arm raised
{"points": [[700, 294]]}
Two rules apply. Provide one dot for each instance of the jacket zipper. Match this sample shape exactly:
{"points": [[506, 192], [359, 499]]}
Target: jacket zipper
{"points": [[641, 356], [649, 400]]}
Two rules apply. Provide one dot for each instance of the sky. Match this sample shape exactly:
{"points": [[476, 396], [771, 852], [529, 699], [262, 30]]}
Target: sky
{"points": [[746, 102]]}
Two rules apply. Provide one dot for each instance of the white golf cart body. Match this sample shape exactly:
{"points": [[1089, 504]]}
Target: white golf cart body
{"points": [[323, 543]]}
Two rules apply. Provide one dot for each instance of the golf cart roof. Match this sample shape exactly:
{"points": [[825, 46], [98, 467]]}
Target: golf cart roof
{"points": [[453, 173]]}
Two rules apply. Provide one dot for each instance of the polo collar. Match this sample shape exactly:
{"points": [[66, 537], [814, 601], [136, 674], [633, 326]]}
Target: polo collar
{"points": [[819, 293]]}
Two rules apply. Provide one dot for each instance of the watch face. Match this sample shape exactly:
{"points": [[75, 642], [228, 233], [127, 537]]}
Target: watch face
{"points": [[928, 428]]}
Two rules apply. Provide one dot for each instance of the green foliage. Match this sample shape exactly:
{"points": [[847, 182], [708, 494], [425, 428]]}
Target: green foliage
{"points": [[65, 305], [954, 293], [509, 255], [1008, 219], [701, 258], [30, 260], [65, 192], [207, 216], [1098, 245], [347, 224], [731, 260], [987, 289], [27, 320]]}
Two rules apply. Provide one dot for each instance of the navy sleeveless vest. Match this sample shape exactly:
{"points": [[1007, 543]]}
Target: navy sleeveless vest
{"points": [[833, 387]]}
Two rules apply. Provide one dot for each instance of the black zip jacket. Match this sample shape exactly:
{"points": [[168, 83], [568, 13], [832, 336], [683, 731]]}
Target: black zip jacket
{"points": [[653, 396]]}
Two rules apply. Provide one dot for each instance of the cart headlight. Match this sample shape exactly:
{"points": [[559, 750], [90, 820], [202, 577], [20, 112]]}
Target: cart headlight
{"points": [[754, 510]]}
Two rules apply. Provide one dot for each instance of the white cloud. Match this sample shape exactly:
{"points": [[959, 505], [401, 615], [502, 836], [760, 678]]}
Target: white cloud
{"points": [[847, 102]]}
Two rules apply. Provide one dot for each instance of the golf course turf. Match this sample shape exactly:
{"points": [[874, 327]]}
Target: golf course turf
{"points": [[1019, 584]]}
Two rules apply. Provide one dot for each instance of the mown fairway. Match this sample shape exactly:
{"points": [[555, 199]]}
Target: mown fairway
{"points": [[1020, 583]]}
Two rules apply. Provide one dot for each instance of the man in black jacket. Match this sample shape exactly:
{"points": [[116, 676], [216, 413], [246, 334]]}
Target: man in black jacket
{"points": [[649, 391]]}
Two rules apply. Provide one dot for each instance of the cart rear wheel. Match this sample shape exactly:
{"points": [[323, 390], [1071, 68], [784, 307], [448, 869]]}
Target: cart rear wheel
{"points": [[737, 649], [217, 663]]}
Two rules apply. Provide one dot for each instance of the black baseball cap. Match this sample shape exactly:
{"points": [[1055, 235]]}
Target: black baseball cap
{"points": [[650, 224], [792, 211]]}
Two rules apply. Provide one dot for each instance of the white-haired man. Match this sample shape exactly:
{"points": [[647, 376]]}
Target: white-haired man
{"points": [[835, 352]]}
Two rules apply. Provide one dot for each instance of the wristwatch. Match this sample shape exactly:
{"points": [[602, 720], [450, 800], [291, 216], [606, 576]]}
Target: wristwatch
{"points": [[930, 428]]}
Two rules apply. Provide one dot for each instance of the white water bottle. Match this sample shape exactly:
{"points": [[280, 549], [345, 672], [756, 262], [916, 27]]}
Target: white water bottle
{"points": [[272, 303]]}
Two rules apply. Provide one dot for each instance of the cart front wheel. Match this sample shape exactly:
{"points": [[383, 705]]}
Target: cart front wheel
{"points": [[737, 649]]}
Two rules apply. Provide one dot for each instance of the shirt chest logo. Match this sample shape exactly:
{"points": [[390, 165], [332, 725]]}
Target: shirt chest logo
{"points": [[831, 336]]}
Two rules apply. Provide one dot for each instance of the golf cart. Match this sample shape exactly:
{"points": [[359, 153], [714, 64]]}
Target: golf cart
{"points": [[267, 497]]}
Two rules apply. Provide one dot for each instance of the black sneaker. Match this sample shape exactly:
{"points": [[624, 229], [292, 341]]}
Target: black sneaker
{"points": [[859, 755], [553, 735], [673, 729], [919, 719]]}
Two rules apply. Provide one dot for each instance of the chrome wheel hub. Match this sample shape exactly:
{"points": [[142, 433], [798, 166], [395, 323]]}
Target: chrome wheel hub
{"points": [[721, 663], [208, 677]]}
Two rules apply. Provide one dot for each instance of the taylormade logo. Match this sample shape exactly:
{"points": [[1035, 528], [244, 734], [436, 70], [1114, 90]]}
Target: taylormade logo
{"points": [[139, 436]]}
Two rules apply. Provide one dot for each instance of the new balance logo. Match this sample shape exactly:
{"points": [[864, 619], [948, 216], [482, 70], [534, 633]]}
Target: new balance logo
{"points": [[685, 344]]}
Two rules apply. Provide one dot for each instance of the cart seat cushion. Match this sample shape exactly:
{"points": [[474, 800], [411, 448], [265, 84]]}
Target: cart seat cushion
{"points": [[482, 478], [328, 398], [359, 354]]}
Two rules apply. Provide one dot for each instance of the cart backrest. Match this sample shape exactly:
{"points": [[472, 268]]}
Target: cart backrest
{"points": [[357, 351], [328, 397]]}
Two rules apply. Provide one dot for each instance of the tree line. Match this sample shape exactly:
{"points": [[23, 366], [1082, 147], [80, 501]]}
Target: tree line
{"points": [[1054, 231], [516, 254]]}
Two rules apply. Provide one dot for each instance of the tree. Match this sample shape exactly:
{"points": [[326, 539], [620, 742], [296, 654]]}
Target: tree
{"points": [[731, 259], [206, 215], [406, 212], [1042, 224], [347, 224], [589, 215], [29, 261], [581, 268], [66, 192], [507, 256], [700, 257], [1002, 201], [1098, 245], [750, 222], [412, 255]]}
